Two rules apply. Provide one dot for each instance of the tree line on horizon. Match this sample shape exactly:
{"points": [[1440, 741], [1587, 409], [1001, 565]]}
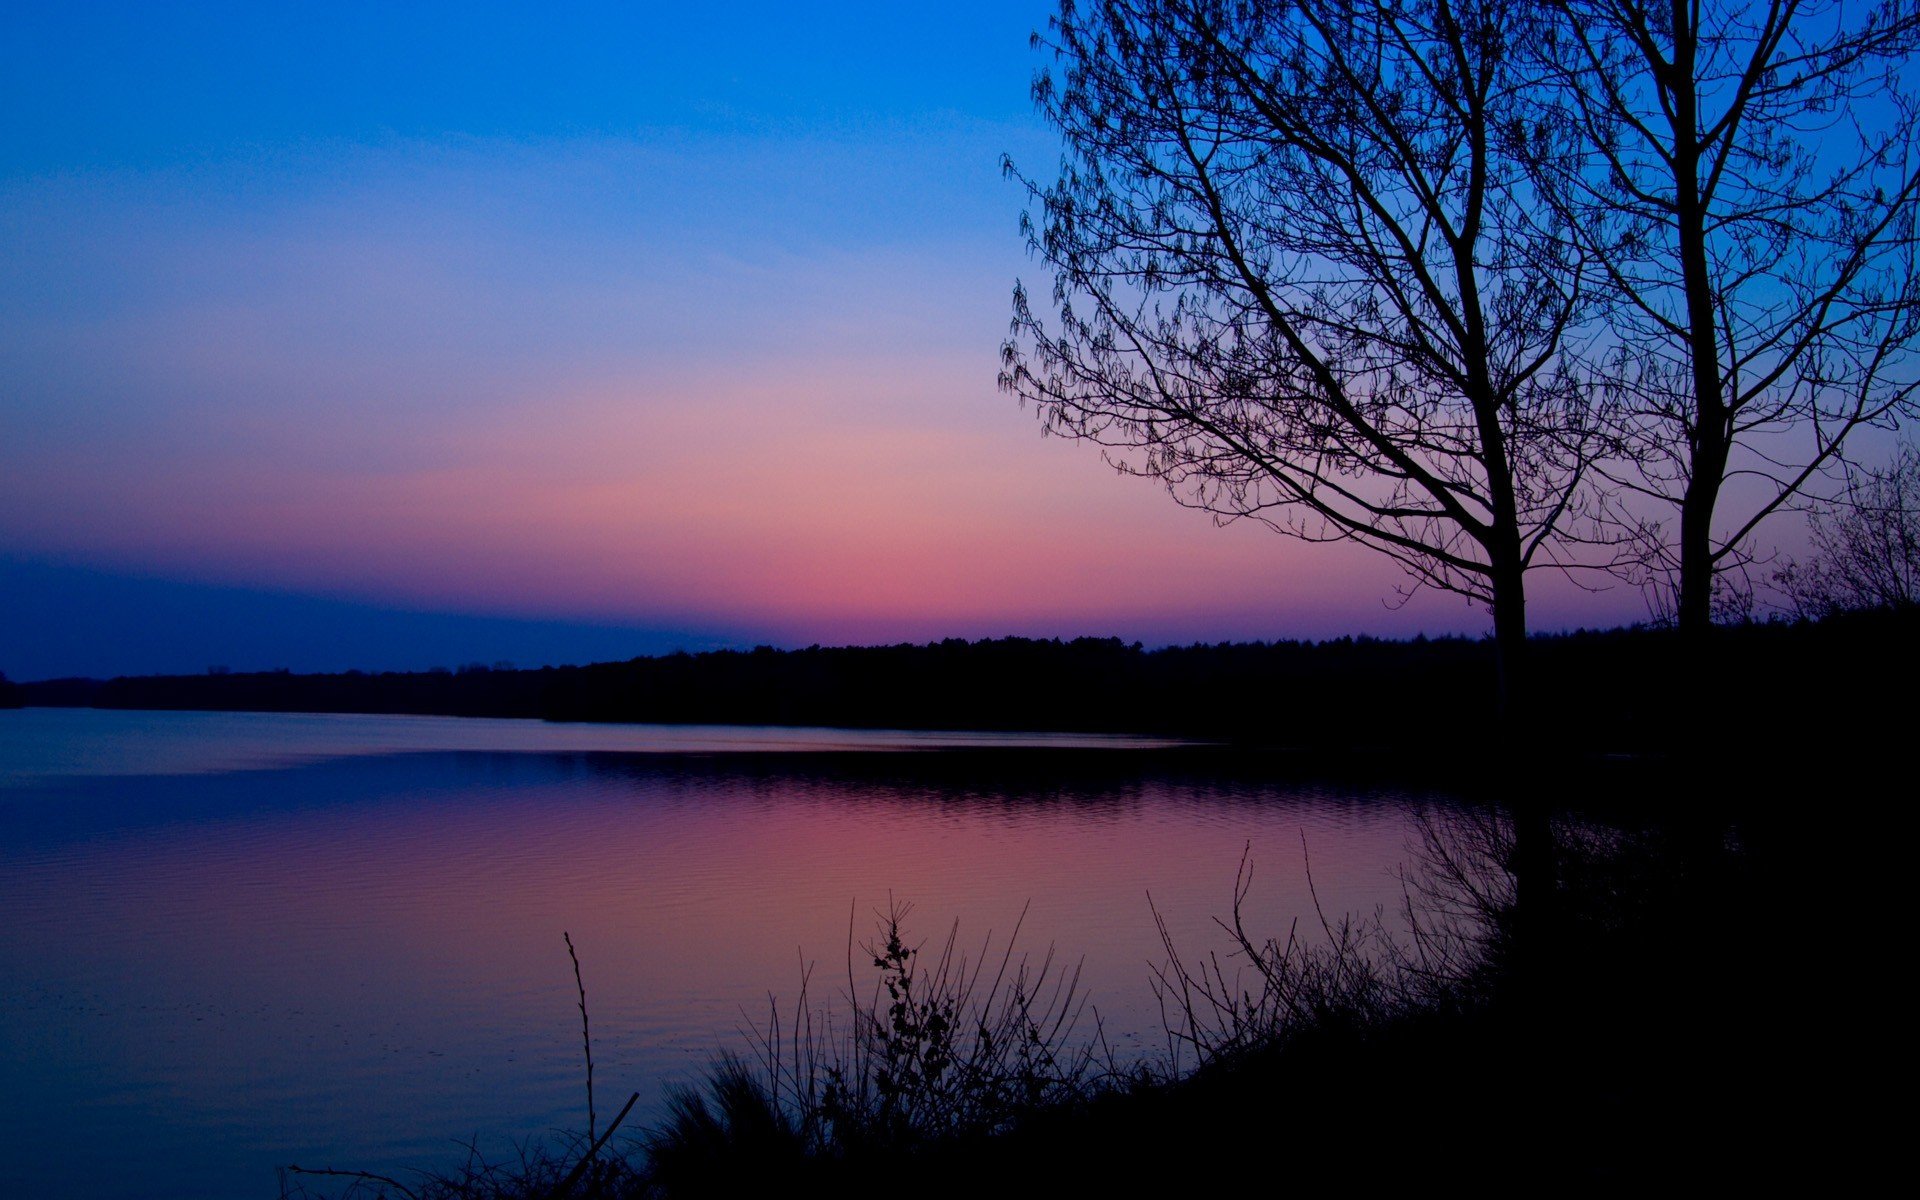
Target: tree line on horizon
{"points": [[1350, 692]]}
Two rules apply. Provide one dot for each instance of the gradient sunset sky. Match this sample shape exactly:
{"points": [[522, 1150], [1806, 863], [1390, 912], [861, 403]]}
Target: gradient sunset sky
{"points": [[392, 335]]}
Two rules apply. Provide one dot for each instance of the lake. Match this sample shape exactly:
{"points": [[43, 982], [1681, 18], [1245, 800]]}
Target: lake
{"points": [[238, 941]]}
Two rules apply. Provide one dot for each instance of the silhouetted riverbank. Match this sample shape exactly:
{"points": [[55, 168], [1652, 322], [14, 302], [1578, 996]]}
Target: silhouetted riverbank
{"points": [[1619, 691]]}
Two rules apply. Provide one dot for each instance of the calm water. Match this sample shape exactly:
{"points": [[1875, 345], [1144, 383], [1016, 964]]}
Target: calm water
{"points": [[235, 941]]}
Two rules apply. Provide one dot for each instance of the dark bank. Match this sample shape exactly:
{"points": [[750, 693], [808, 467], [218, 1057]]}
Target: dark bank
{"points": [[1604, 692]]}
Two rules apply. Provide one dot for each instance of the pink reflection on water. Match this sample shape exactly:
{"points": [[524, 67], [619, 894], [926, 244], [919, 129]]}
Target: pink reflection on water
{"points": [[363, 958]]}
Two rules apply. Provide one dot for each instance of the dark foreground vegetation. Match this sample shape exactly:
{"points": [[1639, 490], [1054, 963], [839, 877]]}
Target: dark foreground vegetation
{"points": [[1672, 1010], [1598, 691]]}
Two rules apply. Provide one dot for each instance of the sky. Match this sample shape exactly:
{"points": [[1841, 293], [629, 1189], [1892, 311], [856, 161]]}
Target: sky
{"points": [[392, 336]]}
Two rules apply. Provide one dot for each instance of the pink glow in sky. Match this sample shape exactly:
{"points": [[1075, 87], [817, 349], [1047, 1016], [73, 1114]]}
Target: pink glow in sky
{"points": [[725, 370]]}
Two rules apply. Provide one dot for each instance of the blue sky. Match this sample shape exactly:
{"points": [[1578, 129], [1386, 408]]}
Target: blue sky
{"points": [[560, 320], [144, 85]]}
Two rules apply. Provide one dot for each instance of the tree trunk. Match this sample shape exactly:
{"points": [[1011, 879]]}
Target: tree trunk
{"points": [[1513, 709], [1711, 429], [1533, 858], [1693, 611]]}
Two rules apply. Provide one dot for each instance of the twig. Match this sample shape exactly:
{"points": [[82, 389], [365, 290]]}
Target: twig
{"points": [[392, 1183], [573, 1176], [586, 1038]]}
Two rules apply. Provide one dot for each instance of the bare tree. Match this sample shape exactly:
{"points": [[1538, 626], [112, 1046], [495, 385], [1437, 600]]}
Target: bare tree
{"points": [[1866, 545], [1749, 189], [1301, 278]]}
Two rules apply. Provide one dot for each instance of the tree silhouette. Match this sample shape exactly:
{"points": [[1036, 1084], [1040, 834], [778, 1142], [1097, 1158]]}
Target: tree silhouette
{"points": [[1301, 277], [1866, 545], [1749, 187]]}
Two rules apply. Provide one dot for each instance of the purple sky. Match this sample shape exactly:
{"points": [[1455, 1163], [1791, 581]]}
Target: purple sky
{"points": [[619, 323]]}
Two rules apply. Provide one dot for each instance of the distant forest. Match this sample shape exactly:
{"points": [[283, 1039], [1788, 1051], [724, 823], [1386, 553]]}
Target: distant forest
{"points": [[1594, 690]]}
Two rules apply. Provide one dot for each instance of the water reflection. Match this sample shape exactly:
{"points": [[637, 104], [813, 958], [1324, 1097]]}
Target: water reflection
{"points": [[357, 958], [39, 745]]}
